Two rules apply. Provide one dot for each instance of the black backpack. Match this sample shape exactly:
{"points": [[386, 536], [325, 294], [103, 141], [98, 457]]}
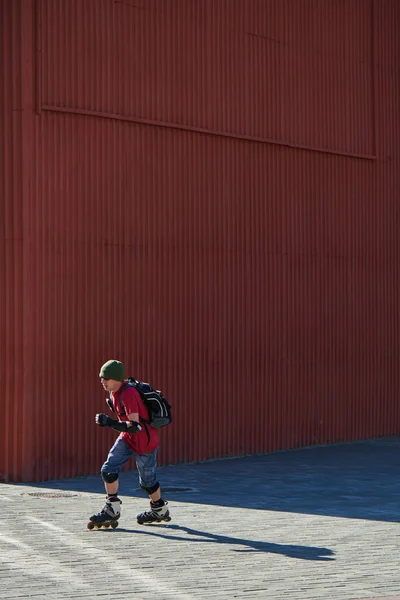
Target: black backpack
{"points": [[158, 407]]}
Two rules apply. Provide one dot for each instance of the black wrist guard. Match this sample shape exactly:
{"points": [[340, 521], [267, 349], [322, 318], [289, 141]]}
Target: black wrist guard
{"points": [[124, 426]]}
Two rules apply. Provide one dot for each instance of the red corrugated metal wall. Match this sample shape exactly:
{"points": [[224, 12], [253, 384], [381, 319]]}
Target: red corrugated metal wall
{"points": [[16, 187], [207, 191]]}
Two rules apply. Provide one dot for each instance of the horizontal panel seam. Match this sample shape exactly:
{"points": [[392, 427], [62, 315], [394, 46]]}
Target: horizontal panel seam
{"points": [[226, 134]]}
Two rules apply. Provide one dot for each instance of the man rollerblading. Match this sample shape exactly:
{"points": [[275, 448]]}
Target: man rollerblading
{"points": [[135, 440]]}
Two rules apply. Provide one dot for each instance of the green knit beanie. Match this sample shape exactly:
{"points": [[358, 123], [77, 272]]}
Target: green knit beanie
{"points": [[113, 369]]}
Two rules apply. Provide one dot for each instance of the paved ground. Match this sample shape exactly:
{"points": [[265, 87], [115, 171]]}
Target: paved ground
{"points": [[308, 524]]}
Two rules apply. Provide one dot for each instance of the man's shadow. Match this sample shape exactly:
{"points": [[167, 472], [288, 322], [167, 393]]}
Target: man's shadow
{"points": [[290, 550]]}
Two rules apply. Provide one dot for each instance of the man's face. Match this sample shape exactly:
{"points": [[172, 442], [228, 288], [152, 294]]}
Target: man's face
{"points": [[110, 385]]}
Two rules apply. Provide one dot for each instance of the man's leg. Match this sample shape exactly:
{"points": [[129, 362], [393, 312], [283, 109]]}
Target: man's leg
{"points": [[146, 466], [117, 457]]}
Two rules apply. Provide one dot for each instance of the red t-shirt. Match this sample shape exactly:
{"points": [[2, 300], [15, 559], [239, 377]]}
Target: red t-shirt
{"points": [[133, 403]]}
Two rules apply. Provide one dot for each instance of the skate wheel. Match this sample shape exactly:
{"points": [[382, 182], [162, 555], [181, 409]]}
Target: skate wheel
{"points": [[90, 525], [106, 526], [114, 525], [97, 526], [167, 519]]}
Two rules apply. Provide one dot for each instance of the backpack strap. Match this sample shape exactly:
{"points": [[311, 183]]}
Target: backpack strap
{"points": [[144, 421], [126, 385]]}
